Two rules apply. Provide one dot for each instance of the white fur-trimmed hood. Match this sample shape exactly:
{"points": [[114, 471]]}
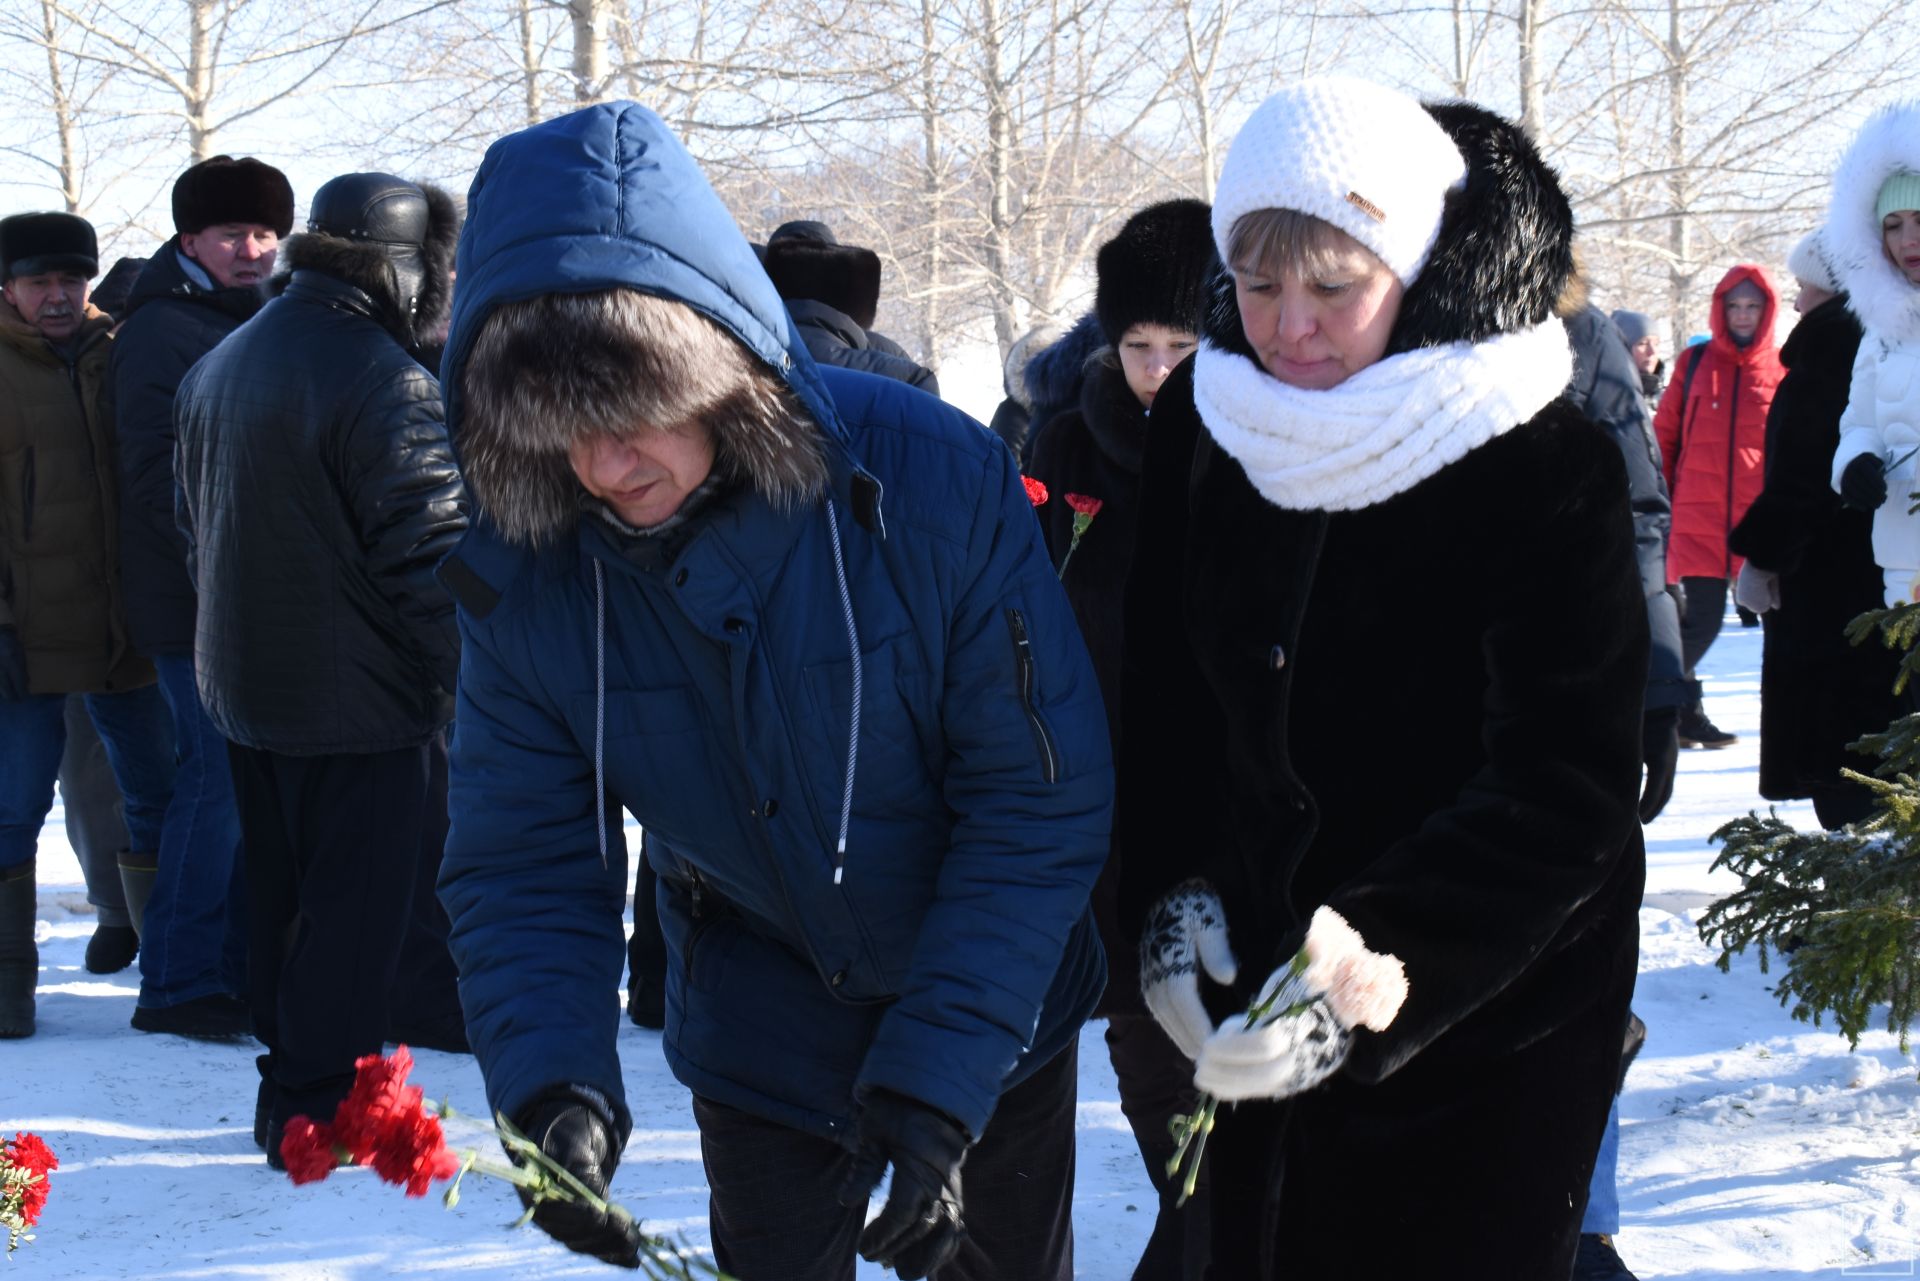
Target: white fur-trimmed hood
{"points": [[1878, 292]]}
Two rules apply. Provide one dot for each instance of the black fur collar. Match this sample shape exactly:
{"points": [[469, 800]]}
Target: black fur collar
{"points": [[1502, 259]]}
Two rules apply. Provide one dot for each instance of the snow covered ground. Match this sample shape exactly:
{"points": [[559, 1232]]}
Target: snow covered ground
{"points": [[1753, 1146]]}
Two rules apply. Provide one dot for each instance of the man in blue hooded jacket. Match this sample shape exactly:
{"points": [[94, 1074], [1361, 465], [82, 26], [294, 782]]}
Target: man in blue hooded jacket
{"points": [[800, 622]]}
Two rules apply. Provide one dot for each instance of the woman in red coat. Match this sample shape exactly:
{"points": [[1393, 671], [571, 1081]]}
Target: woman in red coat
{"points": [[1712, 426]]}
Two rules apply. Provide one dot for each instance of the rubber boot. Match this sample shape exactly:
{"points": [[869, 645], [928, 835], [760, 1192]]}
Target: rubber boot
{"points": [[137, 874], [19, 955]]}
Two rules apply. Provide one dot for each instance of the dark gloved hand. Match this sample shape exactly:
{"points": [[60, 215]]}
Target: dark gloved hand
{"points": [[13, 666], [575, 1127], [919, 1230], [1679, 595], [1747, 617], [1660, 752], [1863, 484]]}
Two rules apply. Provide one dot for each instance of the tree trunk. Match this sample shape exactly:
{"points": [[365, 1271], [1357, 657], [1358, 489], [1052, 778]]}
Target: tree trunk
{"points": [[529, 61], [1533, 106], [201, 19], [999, 178], [589, 19], [1680, 268], [62, 112], [933, 184]]}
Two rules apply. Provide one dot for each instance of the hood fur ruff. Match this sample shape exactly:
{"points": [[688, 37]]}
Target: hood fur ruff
{"points": [[1879, 293], [1501, 261], [367, 268]]}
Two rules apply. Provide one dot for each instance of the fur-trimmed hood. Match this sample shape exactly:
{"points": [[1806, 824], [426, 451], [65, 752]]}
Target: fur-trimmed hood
{"points": [[603, 198], [1503, 257], [1055, 372], [1887, 304], [367, 268]]}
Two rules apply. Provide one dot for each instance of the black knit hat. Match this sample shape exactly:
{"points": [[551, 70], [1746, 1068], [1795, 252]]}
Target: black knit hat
{"points": [[221, 189], [32, 243], [1156, 270], [844, 277]]}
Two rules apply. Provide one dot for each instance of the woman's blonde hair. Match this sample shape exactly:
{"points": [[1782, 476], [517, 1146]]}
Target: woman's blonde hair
{"points": [[1274, 242]]}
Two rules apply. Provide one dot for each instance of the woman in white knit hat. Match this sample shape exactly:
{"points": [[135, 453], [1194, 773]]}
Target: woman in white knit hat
{"points": [[1384, 654], [1873, 235]]}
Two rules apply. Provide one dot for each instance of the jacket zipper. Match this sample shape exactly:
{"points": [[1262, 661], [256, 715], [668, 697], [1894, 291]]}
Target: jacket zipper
{"points": [[26, 496], [699, 925], [1733, 420], [1023, 667]]}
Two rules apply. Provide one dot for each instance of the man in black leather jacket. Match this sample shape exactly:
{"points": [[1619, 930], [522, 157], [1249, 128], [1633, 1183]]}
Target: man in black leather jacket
{"points": [[318, 492]]}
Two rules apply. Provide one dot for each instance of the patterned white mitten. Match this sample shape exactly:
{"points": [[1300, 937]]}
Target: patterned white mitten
{"points": [[1185, 932], [1299, 1044]]}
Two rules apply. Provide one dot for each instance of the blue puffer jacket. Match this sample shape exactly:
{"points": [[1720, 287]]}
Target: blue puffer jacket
{"points": [[925, 931]]}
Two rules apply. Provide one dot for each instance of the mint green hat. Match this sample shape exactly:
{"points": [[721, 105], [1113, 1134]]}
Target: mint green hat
{"points": [[1902, 191]]}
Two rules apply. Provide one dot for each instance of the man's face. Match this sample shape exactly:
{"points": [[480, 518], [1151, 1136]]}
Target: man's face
{"points": [[1646, 354], [235, 254], [54, 302], [1743, 316], [646, 476]]}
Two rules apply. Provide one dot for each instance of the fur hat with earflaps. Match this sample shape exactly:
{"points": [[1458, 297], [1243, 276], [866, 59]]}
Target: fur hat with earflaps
{"points": [[806, 263], [1156, 270], [390, 238], [32, 243], [221, 190]]}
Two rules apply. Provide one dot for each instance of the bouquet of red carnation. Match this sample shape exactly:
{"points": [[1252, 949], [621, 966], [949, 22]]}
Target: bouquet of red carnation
{"points": [[384, 1123], [24, 1163]]}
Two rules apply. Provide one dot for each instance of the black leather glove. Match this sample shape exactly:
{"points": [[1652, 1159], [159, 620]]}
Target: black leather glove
{"points": [[575, 1127], [1863, 484], [919, 1230], [13, 666], [1660, 752]]}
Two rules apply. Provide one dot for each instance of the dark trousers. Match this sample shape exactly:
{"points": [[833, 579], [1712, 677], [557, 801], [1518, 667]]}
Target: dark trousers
{"points": [[332, 846], [775, 1217], [1156, 1083], [96, 815], [1706, 610], [426, 994], [647, 949]]}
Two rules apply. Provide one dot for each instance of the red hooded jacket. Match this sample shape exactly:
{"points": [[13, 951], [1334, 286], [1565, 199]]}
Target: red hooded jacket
{"points": [[1712, 447]]}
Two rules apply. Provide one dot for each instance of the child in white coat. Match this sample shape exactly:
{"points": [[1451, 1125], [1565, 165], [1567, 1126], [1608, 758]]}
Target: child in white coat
{"points": [[1873, 233]]}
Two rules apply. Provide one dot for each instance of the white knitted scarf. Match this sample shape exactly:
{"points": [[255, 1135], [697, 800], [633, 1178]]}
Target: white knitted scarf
{"points": [[1385, 429]]}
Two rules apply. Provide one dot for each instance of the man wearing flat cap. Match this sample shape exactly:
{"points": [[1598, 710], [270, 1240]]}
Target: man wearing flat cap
{"points": [[62, 626], [195, 290]]}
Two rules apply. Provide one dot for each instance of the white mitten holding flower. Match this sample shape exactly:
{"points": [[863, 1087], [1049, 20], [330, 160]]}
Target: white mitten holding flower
{"points": [[1300, 1028], [1185, 931]]}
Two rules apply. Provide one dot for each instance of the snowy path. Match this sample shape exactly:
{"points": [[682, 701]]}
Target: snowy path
{"points": [[1753, 1146]]}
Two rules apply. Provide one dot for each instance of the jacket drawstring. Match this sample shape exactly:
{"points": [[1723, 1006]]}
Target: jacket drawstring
{"points": [[853, 730], [600, 705]]}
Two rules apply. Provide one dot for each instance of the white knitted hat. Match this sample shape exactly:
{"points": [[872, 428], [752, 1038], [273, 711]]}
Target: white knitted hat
{"points": [[1365, 158], [1810, 262]]}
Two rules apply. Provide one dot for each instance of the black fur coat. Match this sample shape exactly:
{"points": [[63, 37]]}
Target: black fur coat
{"points": [[1425, 713], [1817, 692]]}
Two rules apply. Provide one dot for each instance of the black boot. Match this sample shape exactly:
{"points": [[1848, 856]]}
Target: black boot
{"points": [[19, 955], [112, 949], [1695, 729], [215, 1017], [137, 873]]}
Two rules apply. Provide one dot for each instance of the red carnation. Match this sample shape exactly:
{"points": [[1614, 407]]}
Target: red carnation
{"points": [[1084, 510], [1036, 492], [412, 1151], [1088, 507], [309, 1150], [30, 1152]]}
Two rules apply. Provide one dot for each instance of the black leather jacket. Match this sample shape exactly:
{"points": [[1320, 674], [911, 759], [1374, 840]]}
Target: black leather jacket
{"points": [[319, 492]]}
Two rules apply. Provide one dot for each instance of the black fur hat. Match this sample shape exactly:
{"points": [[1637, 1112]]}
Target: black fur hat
{"points": [[221, 189], [1156, 270], [844, 277], [31, 243], [1501, 259]]}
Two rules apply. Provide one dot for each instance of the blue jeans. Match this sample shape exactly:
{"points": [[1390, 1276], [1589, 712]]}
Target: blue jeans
{"points": [[133, 726], [1603, 1198], [193, 941]]}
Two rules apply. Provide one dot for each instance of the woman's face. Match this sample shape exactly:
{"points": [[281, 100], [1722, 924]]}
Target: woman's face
{"points": [[1900, 233], [645, 477], [1148, 353], [1316, 332]]}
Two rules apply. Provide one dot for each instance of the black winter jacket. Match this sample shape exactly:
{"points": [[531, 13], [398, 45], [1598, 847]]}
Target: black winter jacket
{"points": [[320, 493], [1606, 387], [832, 338], [171, 322], [1817, 692], [1095, 451]]}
